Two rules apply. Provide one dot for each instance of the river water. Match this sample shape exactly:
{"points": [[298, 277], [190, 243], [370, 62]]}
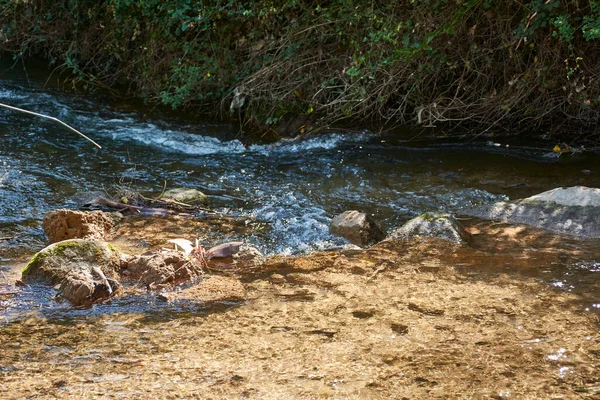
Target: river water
{"points": [[294, 186]]}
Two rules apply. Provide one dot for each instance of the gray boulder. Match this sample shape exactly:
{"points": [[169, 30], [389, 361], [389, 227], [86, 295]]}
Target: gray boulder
{"points": [[85, 269], [357, 227], [571, 210], [441, 226]]}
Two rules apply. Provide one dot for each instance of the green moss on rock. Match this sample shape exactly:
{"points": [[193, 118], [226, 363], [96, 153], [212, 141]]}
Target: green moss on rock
{"points": [[54, 262]]}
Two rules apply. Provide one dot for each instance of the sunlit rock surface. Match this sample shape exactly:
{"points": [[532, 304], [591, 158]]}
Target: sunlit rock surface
{"points": [[68, 224], [573, 210], [185, 195], [157, 269], [441, 226], [85, 269]]}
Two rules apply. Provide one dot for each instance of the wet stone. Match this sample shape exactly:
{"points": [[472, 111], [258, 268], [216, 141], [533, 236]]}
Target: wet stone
{"points": [[83, 270], [68, 224], [441, 226], [572, 210], [185, 195], [52, 264], [86, 287], [162, 268], [356, 227]]}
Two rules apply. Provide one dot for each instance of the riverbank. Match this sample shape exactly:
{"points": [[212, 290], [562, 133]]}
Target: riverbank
{"points": [[289, 67]]}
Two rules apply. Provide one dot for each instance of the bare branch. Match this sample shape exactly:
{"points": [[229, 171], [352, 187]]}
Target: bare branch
{"points": [[51, 118]]}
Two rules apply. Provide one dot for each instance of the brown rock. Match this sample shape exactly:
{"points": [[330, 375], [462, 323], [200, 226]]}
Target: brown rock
{"points": [[160, 268], [357, 227], [83, 270], [76, 256], [85, 287], [64, 224], [244, 257]]}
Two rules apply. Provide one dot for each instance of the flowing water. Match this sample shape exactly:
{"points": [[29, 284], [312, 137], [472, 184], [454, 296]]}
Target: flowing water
{"points": [[294, 186]]}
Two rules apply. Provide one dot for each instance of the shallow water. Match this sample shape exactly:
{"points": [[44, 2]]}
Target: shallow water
{"points": [[295, 186], [506, 315]]}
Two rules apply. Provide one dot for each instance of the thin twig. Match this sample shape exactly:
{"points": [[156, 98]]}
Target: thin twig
{"points": [[53, 119]]}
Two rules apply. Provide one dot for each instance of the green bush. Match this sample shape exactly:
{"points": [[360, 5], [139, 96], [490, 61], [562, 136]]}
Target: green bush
{"points": [[470, 63]]}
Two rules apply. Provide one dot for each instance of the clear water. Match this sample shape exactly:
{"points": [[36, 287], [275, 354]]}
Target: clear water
{"points": [[295, 185]]}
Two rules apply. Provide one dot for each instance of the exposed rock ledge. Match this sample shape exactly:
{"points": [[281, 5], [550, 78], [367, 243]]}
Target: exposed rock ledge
{"points": [[571, 210]]}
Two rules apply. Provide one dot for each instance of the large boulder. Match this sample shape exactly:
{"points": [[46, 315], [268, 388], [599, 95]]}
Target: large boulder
{"points": [[441, 226], [85, 269], [357, 227], [64, 224], [571, 210]]}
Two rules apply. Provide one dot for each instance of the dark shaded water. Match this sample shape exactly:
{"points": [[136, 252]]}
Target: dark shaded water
{"points": [[295, 186]]}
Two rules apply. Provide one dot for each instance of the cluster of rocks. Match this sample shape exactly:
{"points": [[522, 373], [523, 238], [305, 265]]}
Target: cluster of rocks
{"points": [[84, 268], [571, 210]]}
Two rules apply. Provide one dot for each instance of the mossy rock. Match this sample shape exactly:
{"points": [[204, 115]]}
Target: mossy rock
{"points": [[186, 195], [53, 264]]}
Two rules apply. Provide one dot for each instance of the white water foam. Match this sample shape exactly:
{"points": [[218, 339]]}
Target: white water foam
{"points": [[321, 142], [175, 141], [297, 224]]}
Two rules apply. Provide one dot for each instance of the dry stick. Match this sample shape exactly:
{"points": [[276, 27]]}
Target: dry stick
{"points": [[53, 119]]}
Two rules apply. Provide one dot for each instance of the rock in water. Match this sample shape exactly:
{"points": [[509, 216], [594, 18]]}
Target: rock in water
{"points": [[85, 287], [159, 269], [85, 269], [441, 226], [571, 210], [224, 250], [233, 255], [357, 227], [185, 195], [569, 196], [68, 224]]}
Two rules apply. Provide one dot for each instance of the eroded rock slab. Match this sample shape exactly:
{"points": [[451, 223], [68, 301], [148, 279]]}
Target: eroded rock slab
{"points": [[573, 210], [68, 224]]}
